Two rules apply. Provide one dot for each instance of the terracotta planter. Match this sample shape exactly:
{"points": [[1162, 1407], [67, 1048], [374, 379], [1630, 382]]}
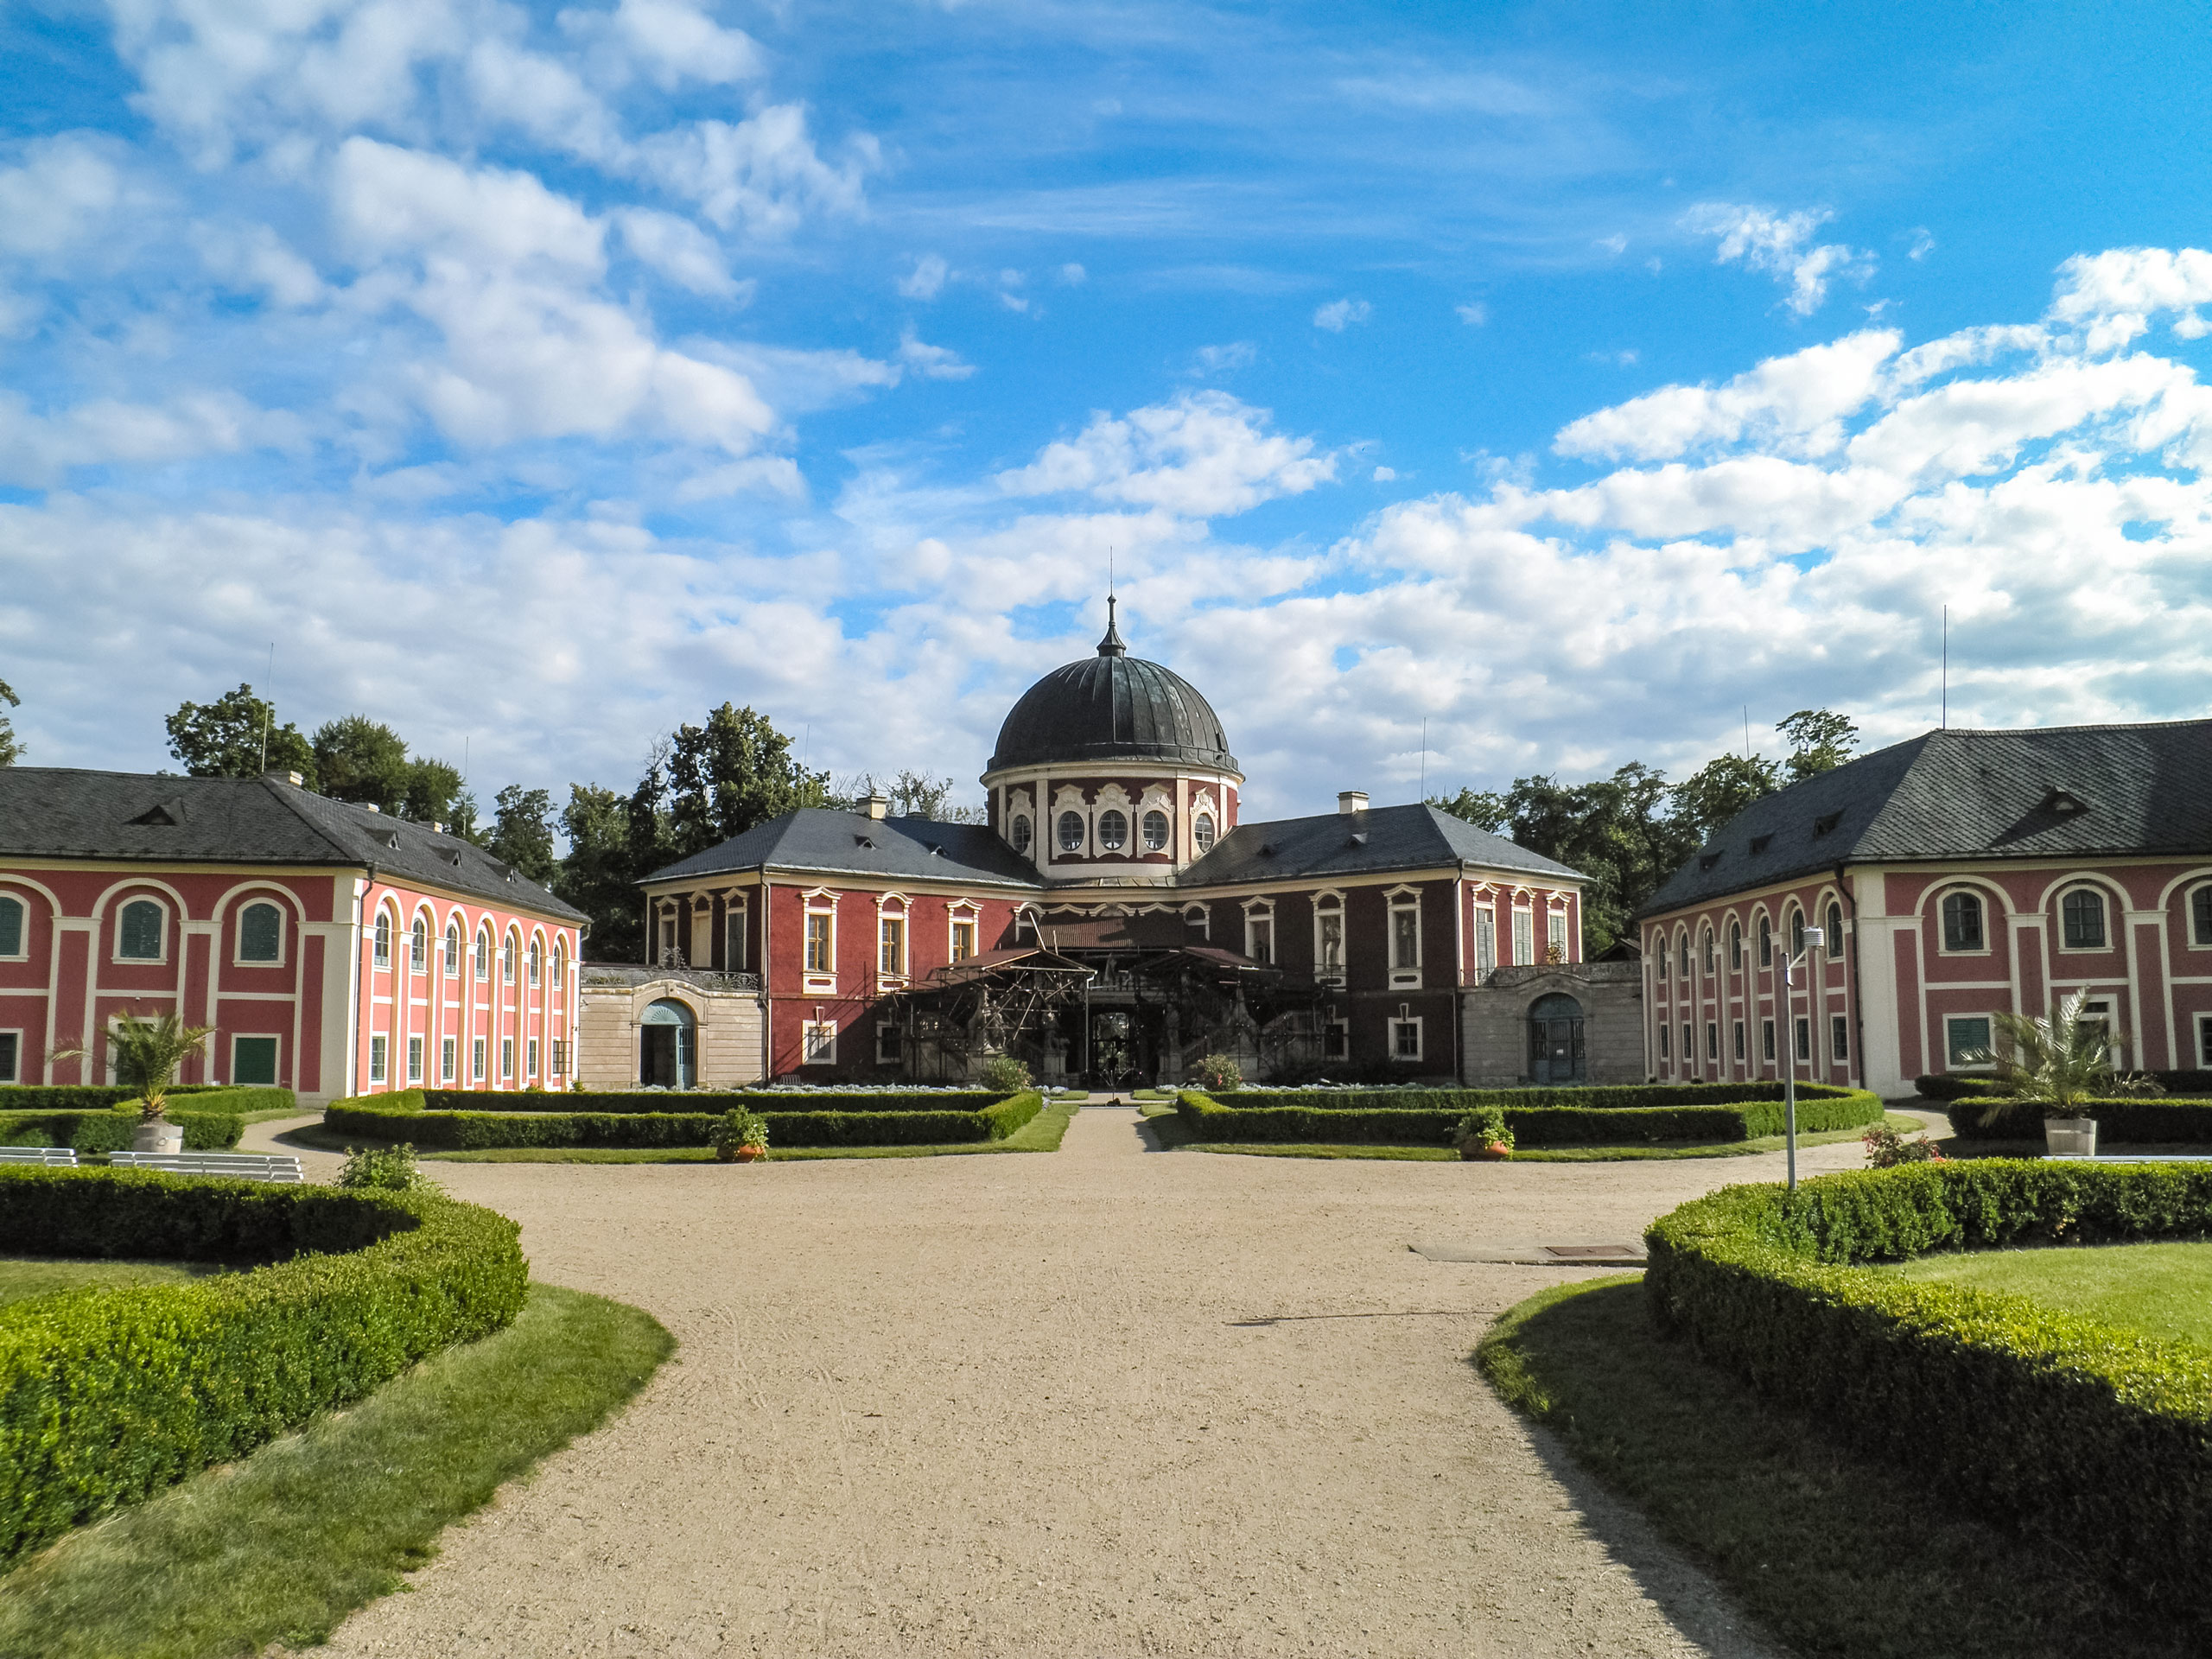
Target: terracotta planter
{"points": [[750, 1154], [1477, 1151], [157, 1135], [2074, 1136]]}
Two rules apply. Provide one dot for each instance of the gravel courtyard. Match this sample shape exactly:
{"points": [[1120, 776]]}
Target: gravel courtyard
{"points": [[1103, 1402]]}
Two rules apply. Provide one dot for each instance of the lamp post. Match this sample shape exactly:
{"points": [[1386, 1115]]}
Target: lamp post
{"points": [[1814, 938]]}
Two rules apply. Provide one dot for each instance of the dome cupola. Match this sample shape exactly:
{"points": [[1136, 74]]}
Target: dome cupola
{"points": [[1112, 706]]}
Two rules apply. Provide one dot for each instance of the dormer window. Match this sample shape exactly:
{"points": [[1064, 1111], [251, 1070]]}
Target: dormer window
{"points": [[1825, 823], [1760, 843], [1708, 861], [2064, 803]]}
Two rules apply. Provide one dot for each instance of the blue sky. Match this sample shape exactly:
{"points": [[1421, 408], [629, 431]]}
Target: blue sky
{"points": [[1569, 379]]}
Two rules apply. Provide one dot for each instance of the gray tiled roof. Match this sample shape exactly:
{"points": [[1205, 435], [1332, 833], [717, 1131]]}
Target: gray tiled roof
{"points": [[1971, 794], [816, 839], [1356, 844], [56, 812]]}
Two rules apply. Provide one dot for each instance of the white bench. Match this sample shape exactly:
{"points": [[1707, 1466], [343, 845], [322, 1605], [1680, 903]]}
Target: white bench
{"points": [[51, 1157], [248, 1166]]}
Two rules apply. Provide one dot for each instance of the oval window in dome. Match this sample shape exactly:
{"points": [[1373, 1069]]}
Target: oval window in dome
{"points": [[1021, 833], [1113, 831], [1155, 831], [1070, 832], [1202, 832]]}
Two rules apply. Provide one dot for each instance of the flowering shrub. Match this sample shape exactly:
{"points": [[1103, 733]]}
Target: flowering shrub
{"points": [[383, 1169], [1005, 1074], [1886, 1148], [737, 1128], [1219, 1073], [1485, 1126]]}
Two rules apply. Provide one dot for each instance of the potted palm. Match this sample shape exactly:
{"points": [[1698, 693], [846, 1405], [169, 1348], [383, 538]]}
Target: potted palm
{"points": [[2061, 1063], [147, 1053]]}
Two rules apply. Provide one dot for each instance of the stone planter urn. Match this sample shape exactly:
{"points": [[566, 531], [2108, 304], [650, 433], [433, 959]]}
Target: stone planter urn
{"points": [[2070, 1136], [157, 1135]]}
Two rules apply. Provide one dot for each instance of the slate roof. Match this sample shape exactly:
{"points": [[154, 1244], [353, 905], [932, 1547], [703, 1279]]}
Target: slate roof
{"points": [[817, 840], [2060, 792], [1112, 706], [1358, 843], [58, 812]]}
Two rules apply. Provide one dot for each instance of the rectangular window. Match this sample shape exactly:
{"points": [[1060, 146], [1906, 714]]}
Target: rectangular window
{"points": [[261, 934], [2204, 1041], [1966, 1041], [886, 1042], [419, 948], [1766, 1040], [529, 1057], [1336, 1038], [733, 941], [476, 1059], [1740, 1041], [1405, 940], [2200, 920], [1486, 943], [1663, 1051], [1330, 940], [253, 1061], [11, 927], [560, 1059], [1405, 1039], [1556, 926], [1524, 938], [507, 1058], [1804, 1039], [1838, 1036], [414, 1059], [448, 1058], [890, 951], [819, 1040], [1689, 1045], [963, 939], [377, 1057], [1260, 938], [817, 944], [1712, 1039], [381, 951], [11, 1050]]}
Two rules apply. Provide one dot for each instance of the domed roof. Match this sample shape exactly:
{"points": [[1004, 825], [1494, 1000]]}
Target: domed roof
{"points": [[1112, 706]]}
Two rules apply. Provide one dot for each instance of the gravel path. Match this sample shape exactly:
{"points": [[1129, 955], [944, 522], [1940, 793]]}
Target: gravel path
{"points": [[1096, 1403]]}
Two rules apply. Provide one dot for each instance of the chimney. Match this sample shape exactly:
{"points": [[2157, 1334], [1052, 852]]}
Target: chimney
{"points": [[1351, 800], [373, 807], [284, 775], [879, 805], [437, 828]]}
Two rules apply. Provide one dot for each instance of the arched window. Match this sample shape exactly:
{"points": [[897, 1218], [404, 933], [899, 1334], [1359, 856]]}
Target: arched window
{"points": [[1796, 932], [1708, 950], [1021, 832], [507, 960], [1155, 831], [1766, 944], [418, 945], [1113, 831], [2084, 914], [483, 955], [536, 963], [2200, 917], [560, 963], [1835, 929], [1659, 952], [1735, 946], [1682, 949], [11, 927], [1202, 832], [138, 932], [382, 955], [261, 933], [453, 950], [1963, 928], [1070, 832]]}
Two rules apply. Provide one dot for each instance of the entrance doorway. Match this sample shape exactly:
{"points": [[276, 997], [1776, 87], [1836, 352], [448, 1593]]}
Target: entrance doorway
{"points": [[1555, 1047], [668, 1046]]}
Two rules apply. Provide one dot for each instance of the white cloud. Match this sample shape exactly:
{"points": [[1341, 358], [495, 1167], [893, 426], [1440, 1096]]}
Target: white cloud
{"points": [[2112, 296], [933, 362], [253, 258], [677, 249], [1202, 455], [1923, 243], [1385, 475], [59, 197], [1780, 244], [1474, 313], [1074, 275], [926, 281], [40, 451], [1339, 314], [1219, 359], [673, 42], [763, 175]]}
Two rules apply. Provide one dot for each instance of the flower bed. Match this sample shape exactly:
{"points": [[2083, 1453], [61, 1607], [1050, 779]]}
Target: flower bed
{"points": [[1704, 1113], [108, 1395], [2093, 1438], [405, 1116]]}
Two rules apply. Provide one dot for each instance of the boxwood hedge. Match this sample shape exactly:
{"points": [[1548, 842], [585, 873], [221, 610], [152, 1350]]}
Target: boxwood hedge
{"points": [[92, 1097], [631, 1102], [403, 1116], [2135, 1119], [111, 1130], [1696, 1113], [108, 1395], [1950, 1086], [2087, 1437]]}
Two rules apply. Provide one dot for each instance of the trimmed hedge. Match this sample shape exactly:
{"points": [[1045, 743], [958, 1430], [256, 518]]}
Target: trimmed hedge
{"points": [[402, 1116], [2135, 1119], [92, 1097], [106, 1396], [112, 1131], [2092, 1438], [1538, 1117], [641, 1102], [1950, 1086]]}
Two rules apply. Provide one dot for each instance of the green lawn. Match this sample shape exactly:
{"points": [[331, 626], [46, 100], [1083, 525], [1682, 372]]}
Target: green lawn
{"points": [[281, 1547], [1043, 1133], [2162, 1290], [24, 1277], [1837, 1557]]}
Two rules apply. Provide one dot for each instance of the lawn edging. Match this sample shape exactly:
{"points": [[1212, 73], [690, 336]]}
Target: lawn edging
{"points": [[2022, 1412]]}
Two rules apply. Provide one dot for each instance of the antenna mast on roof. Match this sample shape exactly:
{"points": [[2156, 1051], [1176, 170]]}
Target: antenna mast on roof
{"points": [[1424, 757], [1946, 720], [268, 704]]}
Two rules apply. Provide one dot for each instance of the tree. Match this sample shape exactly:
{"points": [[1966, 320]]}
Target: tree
{"points": [[225, 738], [147, 1053], [2059, 1062], [522, 832], [9, 748], [728, 775], [922, 795], [1721, 789], [1820, 740], [597, 875], [360, 760]]}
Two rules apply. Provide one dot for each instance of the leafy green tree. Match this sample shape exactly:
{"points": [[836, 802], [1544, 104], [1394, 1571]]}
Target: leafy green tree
{"points": [[597, 877], [1484, 809], [9, 748], [1721, 789], [224, 738], [361, 760], [730, 774], [1820, 740], [522, 832], [432, 790]]}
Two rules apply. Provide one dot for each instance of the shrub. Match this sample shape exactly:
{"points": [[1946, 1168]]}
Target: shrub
{"points": [[739, 1129], [1946, 1085], [107, 1395], [1219, 1074], [383, 1169], [714, 1100], [2093, 1438], [1004, 1075], [2138, 1120], [402, 1116], [112, 1131], [1486, 1126], [1886, 1148], [1538, 1117]]}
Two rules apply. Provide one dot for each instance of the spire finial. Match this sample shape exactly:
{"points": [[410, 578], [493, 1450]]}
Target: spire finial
{"points": [[1112, 644]]}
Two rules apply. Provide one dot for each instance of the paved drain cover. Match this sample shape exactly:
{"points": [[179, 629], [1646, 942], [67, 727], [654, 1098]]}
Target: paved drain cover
{"points": [[1594, 1249], [1536, 1255]]}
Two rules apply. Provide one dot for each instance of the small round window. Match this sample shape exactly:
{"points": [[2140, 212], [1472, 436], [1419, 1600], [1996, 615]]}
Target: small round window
{"points": [[1021, 833], [1113, 831], [1070, 832], [1202, 831], [1155, 831]]}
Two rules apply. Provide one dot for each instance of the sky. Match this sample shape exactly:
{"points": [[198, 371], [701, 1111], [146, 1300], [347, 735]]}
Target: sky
{"points": [[1458, 392]]}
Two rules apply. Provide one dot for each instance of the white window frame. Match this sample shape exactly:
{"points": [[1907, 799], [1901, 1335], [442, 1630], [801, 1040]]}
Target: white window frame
{"points": [[560, 963], [1260, 915], [1942, 935], [380, 939], [892, 907], [819, 903], [1555, 931], [448, 1059], [453, 951], [1204, 915], [1742, 1053], [1339, 1027], [1839, 1038], [379, 1057], [161, 957], [1487, 942], [1205, 833], [964, 913], [415, 1058], [1666, 1054], [1713, 1042], [535, 957], [1735, 944], [817, 1042], [482, 955], [1801, 1027], [1143, 838], [479, 1059], [2188, 894], [418, 945], [1951, 1045], [1398, 901], [239, 958], [11, 1046], [507, 1059], [2204, 1042], [1524, 935], [737, 928], [276, 1057], [1330, 905], [1021, 835], [1402, 1022], [1767, 1050], [560, 1057], [2104, 915], [1120, 849], [22, 950], [1060, 847], [1688, 1059], [508, 952], [529, 1058]]}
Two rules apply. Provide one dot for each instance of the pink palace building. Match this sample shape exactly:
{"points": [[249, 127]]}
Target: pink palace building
{"points": [[1952, 877], [333, 951]]}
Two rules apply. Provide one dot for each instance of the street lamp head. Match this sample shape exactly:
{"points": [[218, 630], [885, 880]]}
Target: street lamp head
{"points": [[1814, 937]]}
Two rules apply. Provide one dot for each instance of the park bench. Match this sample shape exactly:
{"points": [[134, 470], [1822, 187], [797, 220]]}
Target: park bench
{"points": [[51, 1157], [248, 1166]]}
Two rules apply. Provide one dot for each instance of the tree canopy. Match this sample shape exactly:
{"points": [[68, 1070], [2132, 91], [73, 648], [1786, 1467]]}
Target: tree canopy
{"points": [[10, 747], [224, 738]]}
